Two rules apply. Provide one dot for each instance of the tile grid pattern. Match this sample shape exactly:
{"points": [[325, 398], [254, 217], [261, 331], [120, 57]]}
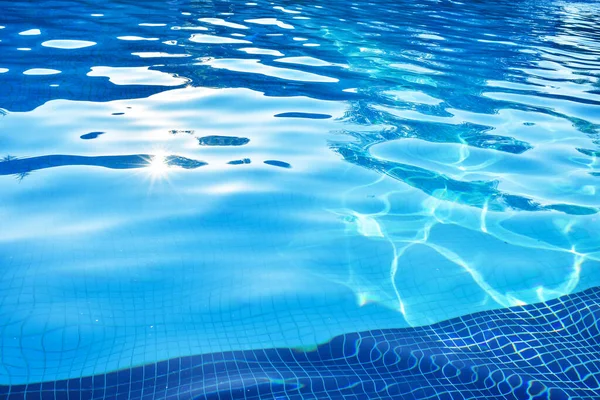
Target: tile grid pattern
{"points": [[543, 351]]}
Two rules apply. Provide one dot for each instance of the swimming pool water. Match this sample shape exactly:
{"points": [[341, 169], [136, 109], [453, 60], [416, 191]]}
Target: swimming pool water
{"points": [[224, 180]]}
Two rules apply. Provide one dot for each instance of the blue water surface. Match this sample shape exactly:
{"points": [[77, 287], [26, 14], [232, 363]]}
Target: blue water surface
{"points": [[187, 177]]}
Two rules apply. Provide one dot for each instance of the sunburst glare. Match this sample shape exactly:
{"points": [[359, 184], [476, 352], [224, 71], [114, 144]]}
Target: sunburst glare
{"points": [[158, 165]]}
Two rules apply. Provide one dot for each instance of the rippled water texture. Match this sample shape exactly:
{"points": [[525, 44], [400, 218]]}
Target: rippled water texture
{"points": [[187, 177]]}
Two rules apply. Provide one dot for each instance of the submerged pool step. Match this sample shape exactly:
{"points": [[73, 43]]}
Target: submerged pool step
{"points": [[543, 351]]}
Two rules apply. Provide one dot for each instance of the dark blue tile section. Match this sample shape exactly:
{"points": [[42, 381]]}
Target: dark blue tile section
{"points": [[544, 351]]}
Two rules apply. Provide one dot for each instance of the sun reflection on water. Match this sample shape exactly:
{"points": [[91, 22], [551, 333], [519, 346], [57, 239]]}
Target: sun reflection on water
{"points": [[158, 165]]}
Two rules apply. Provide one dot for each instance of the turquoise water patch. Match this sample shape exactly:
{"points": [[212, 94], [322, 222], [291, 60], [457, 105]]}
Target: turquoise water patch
{"points": [[191, 178]]}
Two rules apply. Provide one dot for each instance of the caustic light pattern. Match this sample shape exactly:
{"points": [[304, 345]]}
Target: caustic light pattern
{"points": [[198, 181], [541, 351]]}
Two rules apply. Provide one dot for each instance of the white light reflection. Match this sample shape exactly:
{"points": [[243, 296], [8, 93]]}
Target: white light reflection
{"points": [[157, 169], [158, 165]]}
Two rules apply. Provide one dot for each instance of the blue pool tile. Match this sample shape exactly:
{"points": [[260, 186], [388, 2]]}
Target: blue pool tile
{"points": [[384, 364]]}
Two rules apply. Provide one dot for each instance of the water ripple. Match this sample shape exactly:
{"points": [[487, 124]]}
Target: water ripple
{"points": [[364, 166]]}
